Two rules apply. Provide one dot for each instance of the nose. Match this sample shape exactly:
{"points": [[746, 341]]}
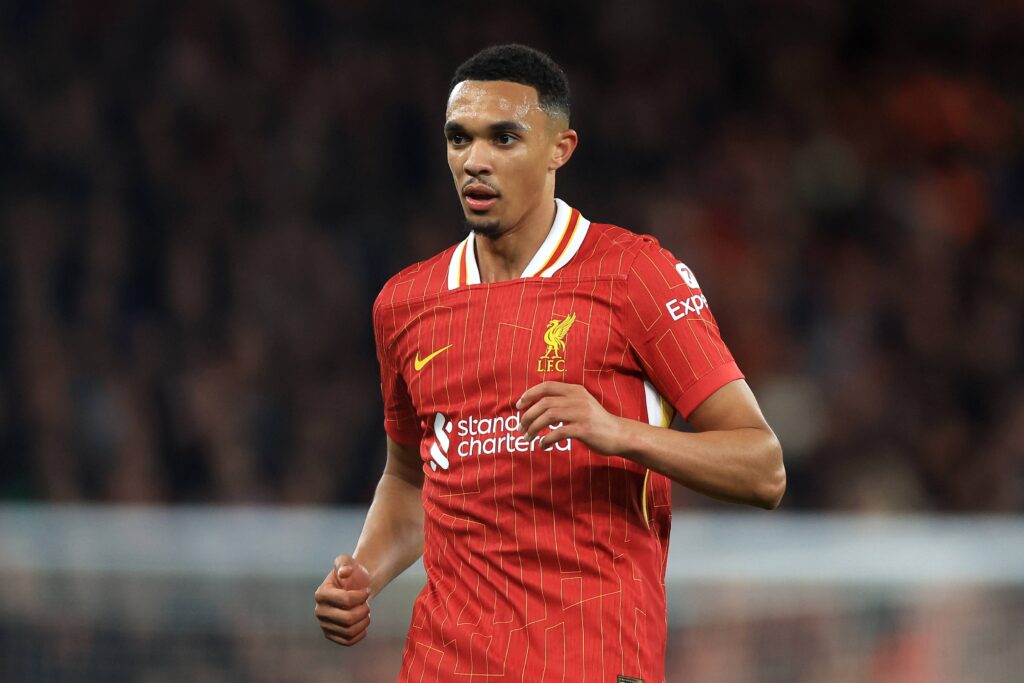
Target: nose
{"points": [[478, 159]]}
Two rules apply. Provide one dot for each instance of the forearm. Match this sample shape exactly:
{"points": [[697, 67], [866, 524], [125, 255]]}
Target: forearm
{"points": [[392, 537], [737, 465]]}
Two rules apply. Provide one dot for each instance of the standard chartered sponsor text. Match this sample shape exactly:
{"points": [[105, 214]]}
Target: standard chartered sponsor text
{"points": [[490, 435]]}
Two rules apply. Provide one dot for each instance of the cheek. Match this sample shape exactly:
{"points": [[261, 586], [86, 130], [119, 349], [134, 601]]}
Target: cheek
{"points": [[534, 171], [522, 179], [454, 164]]}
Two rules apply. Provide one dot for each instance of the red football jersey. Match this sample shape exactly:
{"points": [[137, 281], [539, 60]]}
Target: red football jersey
{"points": [[542, 565]]}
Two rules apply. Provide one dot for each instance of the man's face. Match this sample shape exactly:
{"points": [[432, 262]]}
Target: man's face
{"points": [[501, 146]]}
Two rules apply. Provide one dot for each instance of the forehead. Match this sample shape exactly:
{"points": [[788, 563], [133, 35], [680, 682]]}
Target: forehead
{"points": [[493, 99]]}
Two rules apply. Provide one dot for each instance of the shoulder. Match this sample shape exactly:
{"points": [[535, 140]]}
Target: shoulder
{"points": [[612, 250], [639, 259], [417, 281]]}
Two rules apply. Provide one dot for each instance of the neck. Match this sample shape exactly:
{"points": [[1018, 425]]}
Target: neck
{"points": [[506, 256]]}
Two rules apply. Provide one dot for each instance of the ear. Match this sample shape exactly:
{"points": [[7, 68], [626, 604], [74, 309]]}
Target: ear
{"points": [[565, 145]]}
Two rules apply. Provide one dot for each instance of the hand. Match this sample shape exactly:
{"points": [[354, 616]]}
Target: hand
{"points": [[580, 415], [342, 602]]}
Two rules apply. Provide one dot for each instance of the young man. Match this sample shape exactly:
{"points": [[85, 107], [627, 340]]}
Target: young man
{"points": [[529, 375]]}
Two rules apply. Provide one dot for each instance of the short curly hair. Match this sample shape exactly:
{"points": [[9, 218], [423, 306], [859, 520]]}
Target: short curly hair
{"points": [[519, 64]]}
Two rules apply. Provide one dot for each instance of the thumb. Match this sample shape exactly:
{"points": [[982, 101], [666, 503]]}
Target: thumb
{"points": [[349, 574], [343, 566]]}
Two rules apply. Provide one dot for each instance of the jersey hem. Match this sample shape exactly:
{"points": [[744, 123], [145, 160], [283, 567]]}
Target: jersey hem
{"points": [[399, 437], [699, 391]]}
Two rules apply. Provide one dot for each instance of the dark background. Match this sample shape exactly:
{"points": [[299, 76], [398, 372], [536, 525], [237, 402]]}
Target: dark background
{"points": [[200, 201]]}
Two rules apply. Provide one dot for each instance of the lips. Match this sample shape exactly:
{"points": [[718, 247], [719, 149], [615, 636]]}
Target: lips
{"points": [[480, 197]]}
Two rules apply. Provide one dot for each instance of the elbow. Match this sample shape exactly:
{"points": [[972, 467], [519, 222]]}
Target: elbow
{"points": [[773, 490], [772, 484]]}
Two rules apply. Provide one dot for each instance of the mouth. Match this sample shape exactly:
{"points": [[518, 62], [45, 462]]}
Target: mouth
{"points": [[480, 197]]}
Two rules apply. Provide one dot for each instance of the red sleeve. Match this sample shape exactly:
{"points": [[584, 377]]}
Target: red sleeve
{"points": [[672, 331], [400, 421]]}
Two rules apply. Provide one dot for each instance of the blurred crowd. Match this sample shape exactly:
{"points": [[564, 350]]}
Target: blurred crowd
{"points": [[200, 201]]}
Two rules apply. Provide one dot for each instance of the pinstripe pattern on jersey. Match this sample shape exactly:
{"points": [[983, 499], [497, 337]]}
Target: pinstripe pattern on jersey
{"points": [[541, 566]]}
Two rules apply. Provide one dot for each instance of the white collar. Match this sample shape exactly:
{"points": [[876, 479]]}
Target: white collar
{"points": [[563, 240]]}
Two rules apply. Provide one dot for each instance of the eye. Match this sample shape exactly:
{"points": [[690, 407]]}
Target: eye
{"points": [[505, 138], [457, 139]]}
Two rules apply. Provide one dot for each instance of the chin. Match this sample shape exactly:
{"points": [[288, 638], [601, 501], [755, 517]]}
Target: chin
{"points": [[488, 227]]}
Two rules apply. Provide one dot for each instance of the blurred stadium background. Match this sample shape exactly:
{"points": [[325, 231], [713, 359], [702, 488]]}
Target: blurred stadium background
{"points": [[200, 201]]}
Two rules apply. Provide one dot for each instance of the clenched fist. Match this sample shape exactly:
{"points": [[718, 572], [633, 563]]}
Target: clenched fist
{"points": [[342, 602]]}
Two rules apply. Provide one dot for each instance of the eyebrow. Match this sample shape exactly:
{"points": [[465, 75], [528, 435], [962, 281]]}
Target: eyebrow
{"points": [[496, 127]]}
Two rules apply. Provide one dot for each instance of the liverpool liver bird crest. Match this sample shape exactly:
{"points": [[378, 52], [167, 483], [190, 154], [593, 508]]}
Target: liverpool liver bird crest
{"points": [[554, 336]]}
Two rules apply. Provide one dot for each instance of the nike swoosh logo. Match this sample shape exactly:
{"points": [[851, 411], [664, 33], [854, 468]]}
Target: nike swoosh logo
{"points": [[418, 364]]}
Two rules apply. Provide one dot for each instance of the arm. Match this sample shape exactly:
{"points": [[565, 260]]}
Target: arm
{"points": [[392, 539], [734, 456]]}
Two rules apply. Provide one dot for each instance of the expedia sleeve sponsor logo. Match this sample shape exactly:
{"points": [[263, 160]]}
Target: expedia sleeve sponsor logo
{"points": [[474, 436], [692, 305], [680, 309], [687, 275]]}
